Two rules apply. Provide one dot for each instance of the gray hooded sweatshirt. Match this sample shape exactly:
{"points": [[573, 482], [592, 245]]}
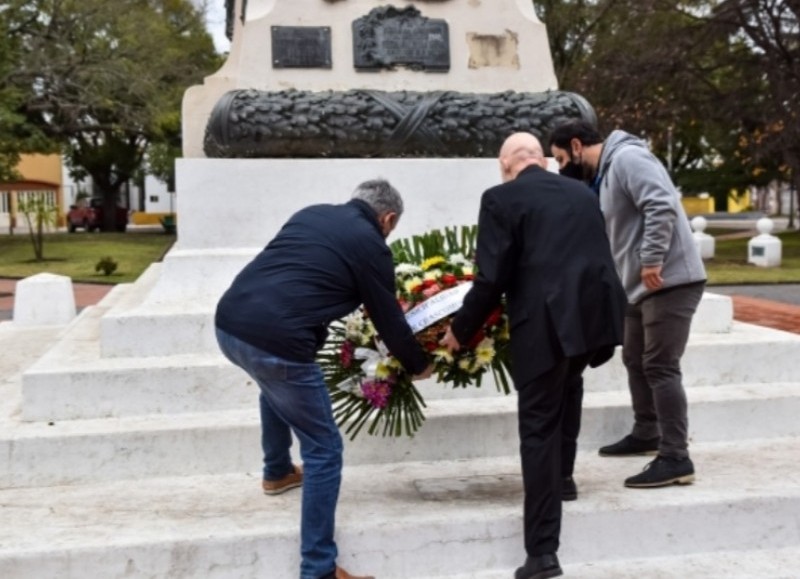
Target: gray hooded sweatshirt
{"points": [[645, 220]]}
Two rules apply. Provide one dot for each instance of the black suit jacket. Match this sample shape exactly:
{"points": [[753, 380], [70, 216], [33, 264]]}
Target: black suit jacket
{"points": [[542, 242]]}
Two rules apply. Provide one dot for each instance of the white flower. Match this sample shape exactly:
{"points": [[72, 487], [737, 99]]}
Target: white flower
{"points": [[403, 269], [458, 259], [484, 353]]}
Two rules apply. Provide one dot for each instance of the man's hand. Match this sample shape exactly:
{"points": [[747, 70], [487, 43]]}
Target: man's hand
{"points": [[449, 341], [651, 276], [426, 373]]}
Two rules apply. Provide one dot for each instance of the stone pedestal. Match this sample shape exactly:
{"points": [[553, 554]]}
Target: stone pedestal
{"points": [[44, 299], [703, 241], [764, 250]]}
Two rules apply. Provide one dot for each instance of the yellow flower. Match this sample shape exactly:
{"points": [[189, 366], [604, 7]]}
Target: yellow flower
{"points": [[484, 353], [383, 369], [443, 354], [465, 364], [431, 261], [433, 274], [467, 270], [394, 363], [412, 283]]}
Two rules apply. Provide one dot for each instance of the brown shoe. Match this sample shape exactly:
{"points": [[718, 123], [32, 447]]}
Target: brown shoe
{"points": [[290, 481], [342, 574]]}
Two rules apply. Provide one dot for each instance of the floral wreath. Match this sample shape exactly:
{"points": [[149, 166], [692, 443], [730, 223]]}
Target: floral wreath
{"points": [[367, 384]]}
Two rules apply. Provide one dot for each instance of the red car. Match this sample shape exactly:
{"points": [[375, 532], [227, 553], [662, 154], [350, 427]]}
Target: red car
{"points": [[90, 218]]}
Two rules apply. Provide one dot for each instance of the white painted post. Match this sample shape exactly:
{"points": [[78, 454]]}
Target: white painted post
{"points": [[764, 250], [44, 299], [704, 242]]}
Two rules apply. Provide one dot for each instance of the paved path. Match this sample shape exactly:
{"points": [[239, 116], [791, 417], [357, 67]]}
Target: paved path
{"points": [[775, 305]]}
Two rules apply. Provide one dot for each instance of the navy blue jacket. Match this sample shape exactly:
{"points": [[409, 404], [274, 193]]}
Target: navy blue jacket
{"points": [[325, 262]]}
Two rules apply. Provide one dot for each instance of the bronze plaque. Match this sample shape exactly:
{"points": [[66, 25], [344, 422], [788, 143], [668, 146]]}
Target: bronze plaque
{"points": [[388, 37], [301, 47]]}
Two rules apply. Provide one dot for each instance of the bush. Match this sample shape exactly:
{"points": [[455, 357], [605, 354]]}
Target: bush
{"points": [[107, 265]]}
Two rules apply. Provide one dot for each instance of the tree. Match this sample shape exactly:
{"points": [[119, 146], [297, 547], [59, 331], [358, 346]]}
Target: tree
{"points": [[771, 30], [104, 78], [16, 136], [670, 72]]}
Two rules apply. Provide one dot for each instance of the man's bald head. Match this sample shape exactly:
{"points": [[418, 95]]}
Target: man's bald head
{"points": [[520, 150]]}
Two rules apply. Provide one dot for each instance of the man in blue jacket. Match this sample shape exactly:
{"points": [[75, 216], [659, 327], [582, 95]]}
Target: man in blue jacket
{"points": [[663, 275], [325, 262]]}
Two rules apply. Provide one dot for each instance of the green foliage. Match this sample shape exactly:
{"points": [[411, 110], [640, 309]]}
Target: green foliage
{"points": [[712, 84], [434, 243], [105, 79], [40, 214], [107, 265]]}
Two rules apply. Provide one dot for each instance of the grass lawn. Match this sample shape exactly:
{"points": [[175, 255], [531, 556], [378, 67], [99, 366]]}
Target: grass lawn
{"points": [[76, 254], [730, 266]]}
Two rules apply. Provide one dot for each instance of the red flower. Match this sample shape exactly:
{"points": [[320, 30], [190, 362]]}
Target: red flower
{"points": [[346, 355], [449, 279], [476, 339], [494, 317]]}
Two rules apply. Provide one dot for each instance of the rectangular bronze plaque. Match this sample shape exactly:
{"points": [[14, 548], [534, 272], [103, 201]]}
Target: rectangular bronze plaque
{"points": [[301, 47], [389, 37]]}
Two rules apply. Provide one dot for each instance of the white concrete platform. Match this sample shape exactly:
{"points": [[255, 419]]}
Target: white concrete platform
{"points": [[58, 385], [411, 520], [745, 564], [132, 448]]}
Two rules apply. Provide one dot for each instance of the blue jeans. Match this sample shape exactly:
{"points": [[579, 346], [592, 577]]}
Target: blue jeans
{"points": [[294, 398]]}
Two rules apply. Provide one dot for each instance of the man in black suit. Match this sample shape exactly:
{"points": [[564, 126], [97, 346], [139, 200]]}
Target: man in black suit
{"points": [[542, 243]]}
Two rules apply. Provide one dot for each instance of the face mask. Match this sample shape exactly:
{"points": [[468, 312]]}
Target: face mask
{"points": [[572, 170]]}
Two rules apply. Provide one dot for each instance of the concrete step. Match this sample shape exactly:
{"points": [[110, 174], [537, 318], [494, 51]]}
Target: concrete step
{"points": [[173, 311], [745, 564], [58, 385], [81, 451], [411, 520]]}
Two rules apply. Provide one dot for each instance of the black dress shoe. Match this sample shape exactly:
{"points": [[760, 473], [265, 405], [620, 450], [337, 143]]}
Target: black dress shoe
{"points": [[663, 471], [630, 446], [569, 490], [539, 567]]}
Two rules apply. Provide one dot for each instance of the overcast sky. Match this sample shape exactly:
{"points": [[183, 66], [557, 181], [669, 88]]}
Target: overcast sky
{"points": [[215, 22]]}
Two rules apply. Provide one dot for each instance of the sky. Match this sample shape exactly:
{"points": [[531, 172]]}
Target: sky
{"points": [[215, 22]]}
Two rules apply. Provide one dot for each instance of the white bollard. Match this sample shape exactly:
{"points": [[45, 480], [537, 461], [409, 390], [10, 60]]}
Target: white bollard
{"points": [[704, 242], [44, 299], [764, 250]]}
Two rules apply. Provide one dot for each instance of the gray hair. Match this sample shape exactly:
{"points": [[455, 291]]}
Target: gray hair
{"points": [[381, 196]]}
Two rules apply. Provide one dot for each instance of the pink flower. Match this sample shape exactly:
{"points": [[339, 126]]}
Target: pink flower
{"points": [[431, 291], [377, 392]]}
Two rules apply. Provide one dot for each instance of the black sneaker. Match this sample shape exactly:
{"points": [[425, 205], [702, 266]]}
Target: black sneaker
{"points": [[569, 490], [541, 567], [630, 446], [663, 471]]}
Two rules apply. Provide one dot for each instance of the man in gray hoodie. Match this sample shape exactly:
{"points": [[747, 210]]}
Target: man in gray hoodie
{"points": [[663, 275]]}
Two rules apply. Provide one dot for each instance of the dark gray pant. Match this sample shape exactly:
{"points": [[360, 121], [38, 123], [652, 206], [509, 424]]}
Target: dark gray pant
{"points": [[656, 332]]}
